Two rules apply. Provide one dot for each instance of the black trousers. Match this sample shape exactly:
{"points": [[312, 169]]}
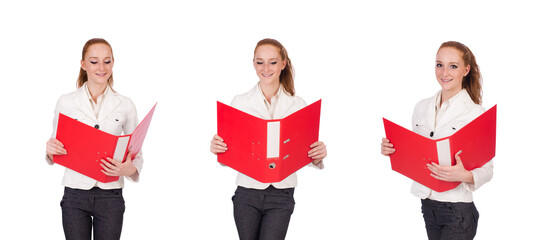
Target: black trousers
{"points": [[97, 209], [263, 214], [446, 220]]}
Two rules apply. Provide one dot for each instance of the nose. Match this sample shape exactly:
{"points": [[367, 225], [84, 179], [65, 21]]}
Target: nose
{"points": [[445, 71], [102, 66]]}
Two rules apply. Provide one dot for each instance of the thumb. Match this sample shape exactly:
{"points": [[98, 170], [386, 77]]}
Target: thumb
{"points": [[457, 157]]}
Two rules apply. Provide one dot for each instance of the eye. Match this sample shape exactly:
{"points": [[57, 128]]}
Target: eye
{"points": [[107, 62], [259, 62], [93, 62], [454, 66], [273, 63], [438, 65]]}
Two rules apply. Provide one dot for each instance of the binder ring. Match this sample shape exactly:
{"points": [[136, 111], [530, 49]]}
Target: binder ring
{"points": [[272, 165]]}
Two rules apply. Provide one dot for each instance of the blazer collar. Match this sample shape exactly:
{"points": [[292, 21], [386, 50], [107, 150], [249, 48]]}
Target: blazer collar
{"points": [[110, 102], [452, 107], [284, 103]]}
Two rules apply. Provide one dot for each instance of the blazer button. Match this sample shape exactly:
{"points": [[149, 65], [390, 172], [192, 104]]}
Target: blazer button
{"points": [[431, 133], [96, 126]]}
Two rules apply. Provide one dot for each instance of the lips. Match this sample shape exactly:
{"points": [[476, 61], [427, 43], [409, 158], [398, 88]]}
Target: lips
{"points": [[267, 75], [446, 80], [101, 74]]}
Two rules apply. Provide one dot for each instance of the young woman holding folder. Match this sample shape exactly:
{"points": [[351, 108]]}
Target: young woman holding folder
{"points": [[450, 214], [263, 210], [88, 204]]}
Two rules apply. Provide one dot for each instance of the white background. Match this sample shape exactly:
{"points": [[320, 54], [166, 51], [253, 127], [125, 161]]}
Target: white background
{"points": [[365, 60]]}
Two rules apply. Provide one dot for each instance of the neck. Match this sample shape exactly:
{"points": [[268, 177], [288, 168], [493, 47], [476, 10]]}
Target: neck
{"points": [[269, 90], [448, 94], [95, 90]]}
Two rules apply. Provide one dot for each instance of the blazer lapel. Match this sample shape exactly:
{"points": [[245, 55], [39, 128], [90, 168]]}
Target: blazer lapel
{"points": [[284, 105], [110, 102], [82, 101], [260, 107]]}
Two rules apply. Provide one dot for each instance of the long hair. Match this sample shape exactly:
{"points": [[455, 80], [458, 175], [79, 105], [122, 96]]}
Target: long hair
{"points": [[83, 77], [286, 76], [472, 81]]}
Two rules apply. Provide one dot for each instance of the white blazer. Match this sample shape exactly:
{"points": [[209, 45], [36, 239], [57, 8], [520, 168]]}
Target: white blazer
{"points": [[117, 115], [454, 114], [252, 102]]}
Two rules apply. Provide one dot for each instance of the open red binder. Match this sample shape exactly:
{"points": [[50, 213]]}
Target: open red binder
{"points": [[267, 150], [86, 146], [477, 141]]}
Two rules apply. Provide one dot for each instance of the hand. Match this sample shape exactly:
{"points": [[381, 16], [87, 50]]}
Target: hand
{"points": [[55, 147], [455, 173], [217, 145], [318, 152], [387, 148], [116, 168]]}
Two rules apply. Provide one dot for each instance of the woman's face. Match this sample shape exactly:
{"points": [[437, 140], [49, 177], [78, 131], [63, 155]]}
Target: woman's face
{"points": [[268, 64], [450, 69], [97, 63]]}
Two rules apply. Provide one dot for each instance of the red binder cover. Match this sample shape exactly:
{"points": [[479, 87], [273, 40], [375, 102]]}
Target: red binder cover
{"points": [[477, 141], [267, 150], [86, 146]]}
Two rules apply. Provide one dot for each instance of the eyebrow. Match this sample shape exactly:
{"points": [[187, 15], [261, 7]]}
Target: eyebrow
{"points": [[103, 58], [268, 59], [456, 63]]}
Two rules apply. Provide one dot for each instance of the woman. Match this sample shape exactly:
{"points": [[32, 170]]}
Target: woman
{"points": [[450, 214], [263, 210], [88, 204]]}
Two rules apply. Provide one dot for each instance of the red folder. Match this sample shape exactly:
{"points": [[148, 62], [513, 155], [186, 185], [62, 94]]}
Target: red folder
{"points": [[267, 150], [86, 146], [477, 141]]}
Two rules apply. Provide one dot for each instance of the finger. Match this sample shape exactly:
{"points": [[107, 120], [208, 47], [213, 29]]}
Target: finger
{"points": [[438, 177], [318, 143], [317, 162], [388, 149], [315, 149], [128, 158], [55, 150], [317, 155], [388, 145], [106, 169], [108, 174], [54, 144], [217, 142], [215, 150], [457, 157], [108, 164], [114, 161], [55, 141], [221, 148], [218, 138]]}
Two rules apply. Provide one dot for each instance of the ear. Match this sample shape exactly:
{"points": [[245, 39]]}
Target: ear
{"points": [[82, 65], [284, 63], [467, 70]]}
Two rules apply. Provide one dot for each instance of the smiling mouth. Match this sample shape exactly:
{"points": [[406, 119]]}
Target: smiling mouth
{"points": [[101, 74], [267, 75], [446, 80]]}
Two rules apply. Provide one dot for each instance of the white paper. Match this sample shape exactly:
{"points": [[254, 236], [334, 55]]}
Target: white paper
{"points": [[273, 140], [444, 152], [121, 147]]}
